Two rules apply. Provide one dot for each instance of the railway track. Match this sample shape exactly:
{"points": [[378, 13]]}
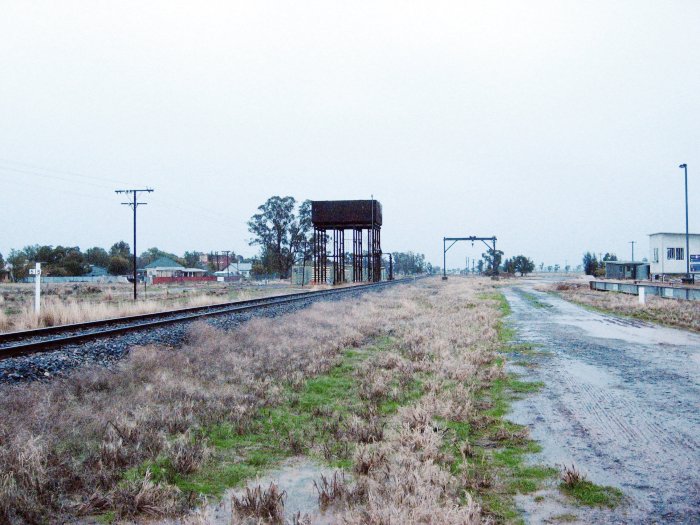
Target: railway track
{"points": [[15, 344]]}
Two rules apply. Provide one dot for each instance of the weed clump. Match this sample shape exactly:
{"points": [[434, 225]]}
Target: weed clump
{"points": [[331, 490], [575, 484], [258, 504]]}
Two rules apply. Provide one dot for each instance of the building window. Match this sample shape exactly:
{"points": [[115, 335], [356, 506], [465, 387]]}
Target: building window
{"points": [[656, 255], [677, 254]]}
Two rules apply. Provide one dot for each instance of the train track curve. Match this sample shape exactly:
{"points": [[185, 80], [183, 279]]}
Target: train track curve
{"points": [[16, 344]]}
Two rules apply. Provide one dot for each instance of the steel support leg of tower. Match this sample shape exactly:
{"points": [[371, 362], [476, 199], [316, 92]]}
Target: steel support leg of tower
{"points": [[320, 256], [338, 256], [377, 255], [357, 255]]}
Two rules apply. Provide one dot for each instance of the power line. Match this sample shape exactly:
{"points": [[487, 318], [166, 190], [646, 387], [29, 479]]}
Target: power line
{"points": [[31, 169], [62, 172], [26, 184], [134, 205]]}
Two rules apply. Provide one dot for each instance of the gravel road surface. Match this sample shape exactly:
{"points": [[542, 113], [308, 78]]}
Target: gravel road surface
{"points": [[621, 400]]}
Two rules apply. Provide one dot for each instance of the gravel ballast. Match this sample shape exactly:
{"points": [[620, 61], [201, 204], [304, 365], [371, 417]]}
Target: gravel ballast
{"points": [[108, 350]]}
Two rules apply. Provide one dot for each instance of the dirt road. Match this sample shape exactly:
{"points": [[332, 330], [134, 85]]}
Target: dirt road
{"points": [[621, 400]]}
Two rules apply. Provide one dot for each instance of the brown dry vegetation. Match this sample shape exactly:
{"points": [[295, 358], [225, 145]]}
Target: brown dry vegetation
{"points": [[75, 303], [671, 312], [74, 447]]}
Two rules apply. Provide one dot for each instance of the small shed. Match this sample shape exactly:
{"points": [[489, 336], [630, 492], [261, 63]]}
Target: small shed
{"points": [[97, 271], [626, 270]]}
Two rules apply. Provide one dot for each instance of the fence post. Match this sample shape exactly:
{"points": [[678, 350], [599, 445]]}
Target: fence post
{"points": [[642, 295]]}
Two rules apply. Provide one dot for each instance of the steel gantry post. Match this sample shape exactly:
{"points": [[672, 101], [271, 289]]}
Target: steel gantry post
{"points": [[446, 248], [444, 261]]}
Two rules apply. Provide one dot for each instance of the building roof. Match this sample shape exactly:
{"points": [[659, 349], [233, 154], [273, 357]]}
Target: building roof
{"points": [[626, 262], [238, 267], [97, 271], [673, 233], [194, 270], [164, 262], [234, 269]]}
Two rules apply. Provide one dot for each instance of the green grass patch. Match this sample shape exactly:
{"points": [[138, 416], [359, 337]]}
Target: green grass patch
{"points": [[161, 471], [410, 393], [497, 466], [564, 518], [525, 349], [532, 299], [505, 332], [304, 423], [107, 518], [502, 391], [216, 477], [592, 495]]}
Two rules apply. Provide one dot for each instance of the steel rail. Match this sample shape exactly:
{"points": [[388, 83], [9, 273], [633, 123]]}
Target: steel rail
{"points": [[24, 344]]}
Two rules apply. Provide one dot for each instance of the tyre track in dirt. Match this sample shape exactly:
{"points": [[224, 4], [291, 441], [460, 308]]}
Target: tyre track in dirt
{"points": [[621, 400]]}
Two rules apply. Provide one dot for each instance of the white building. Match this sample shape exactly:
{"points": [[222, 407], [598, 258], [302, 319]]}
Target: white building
{"points": [[667, 254], [236, 269]]}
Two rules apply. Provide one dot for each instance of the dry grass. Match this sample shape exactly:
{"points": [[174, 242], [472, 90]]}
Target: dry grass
{"points": [[571, 477], [403, 478], [260, 505], [331, 490], [75, 303], [671, 312], [93, 442]]}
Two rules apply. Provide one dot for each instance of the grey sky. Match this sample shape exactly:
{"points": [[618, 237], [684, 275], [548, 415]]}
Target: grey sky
{"points": [[556, 125]]}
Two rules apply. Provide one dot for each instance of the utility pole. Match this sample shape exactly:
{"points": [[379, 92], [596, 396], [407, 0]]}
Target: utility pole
{"points": [[228, 271], [632, 243], [134, 205], [687, 241]]}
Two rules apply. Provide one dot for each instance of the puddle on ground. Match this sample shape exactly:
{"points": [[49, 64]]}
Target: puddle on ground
{"points": [[295, 477], [621, 402], [633, 331], [548, 506]]}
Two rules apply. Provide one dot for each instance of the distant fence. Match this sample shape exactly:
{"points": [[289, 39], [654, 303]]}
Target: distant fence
{"points": [[229, 279], [167, 280], [670, 292], [79, 279]]}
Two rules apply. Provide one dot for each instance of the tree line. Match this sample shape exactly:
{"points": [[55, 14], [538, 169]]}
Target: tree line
{"points": [[71, 261], [281, 228], [595, 267]]}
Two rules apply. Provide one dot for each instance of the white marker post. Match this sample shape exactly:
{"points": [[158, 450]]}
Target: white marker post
{"points": [[36, 272], [642, 295]]}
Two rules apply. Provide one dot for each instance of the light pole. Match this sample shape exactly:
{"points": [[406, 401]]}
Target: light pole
{"points": [[632, 243], [687, 236]]}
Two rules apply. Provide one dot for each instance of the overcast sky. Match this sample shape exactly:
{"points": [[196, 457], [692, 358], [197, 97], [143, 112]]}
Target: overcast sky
{"points": [[557, 126]]}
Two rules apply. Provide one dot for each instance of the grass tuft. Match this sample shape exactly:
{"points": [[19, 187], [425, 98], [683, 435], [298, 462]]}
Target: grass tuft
{"points": [[265, 505], [587, 493]]}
